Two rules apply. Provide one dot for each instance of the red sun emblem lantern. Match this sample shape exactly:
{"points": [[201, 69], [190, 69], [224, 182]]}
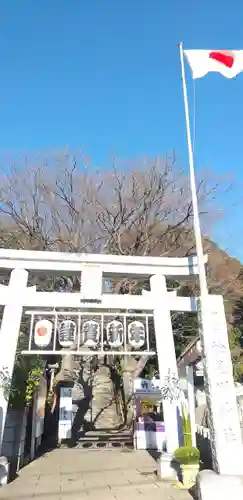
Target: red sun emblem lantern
{"points": [[43, 333]]}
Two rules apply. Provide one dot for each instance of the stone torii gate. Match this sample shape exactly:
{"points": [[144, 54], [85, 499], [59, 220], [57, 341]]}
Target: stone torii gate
{"points": [[225, 429]]}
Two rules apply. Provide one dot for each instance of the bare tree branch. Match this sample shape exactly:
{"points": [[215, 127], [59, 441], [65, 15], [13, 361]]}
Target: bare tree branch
{"points": [[143, 208]]}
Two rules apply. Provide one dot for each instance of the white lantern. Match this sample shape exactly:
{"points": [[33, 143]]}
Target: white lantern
{"points": [[136, 334], [43, 332], [114, 333], [67, 333], [91, 333]]}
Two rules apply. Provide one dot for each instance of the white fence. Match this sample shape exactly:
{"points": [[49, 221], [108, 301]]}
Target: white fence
{"points": [[203, 431], [203, 444]]}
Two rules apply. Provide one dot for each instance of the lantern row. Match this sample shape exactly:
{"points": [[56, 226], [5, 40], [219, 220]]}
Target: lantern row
{"points": [[90, 334]]}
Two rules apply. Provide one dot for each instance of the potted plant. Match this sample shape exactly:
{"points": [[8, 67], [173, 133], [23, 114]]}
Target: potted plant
{"points": [[189, 459]]}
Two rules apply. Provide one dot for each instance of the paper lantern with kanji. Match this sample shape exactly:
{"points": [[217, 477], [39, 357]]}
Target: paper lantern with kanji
{"points": [[114, 333], [136, 334], [67, 333], [91, 333]]}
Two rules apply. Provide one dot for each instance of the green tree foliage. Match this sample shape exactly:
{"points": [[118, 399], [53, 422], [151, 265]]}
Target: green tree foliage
{"points": [[185, 328], [26, 374], [235, 343], [236, 339]]}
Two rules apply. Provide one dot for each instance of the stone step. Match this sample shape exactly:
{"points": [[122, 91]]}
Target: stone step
{"points": [[108, 435], [101, 445], [101, 440], [104, 440]]}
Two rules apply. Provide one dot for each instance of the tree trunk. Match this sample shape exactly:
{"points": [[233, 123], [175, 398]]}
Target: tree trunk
{"points": [[131, 368], [128, 393], [66, 372]]}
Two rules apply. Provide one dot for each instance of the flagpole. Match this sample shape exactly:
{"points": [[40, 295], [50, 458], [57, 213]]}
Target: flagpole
{"points": [[196, 221]]}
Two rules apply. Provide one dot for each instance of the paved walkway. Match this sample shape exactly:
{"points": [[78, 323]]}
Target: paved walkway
{"points": [[74, 474]]}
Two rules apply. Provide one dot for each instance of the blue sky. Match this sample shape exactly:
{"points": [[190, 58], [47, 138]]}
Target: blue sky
{"points": [[104, 76]]}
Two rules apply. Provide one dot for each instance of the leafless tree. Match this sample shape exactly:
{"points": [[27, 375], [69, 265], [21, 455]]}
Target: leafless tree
{"points": [[136, 209]]}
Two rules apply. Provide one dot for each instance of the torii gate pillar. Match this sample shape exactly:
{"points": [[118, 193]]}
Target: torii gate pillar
{"points": [[168, 373], [11, 321]]}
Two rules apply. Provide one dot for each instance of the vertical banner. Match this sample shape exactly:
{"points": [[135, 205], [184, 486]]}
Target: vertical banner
{"points": [[40, 407], [65, 414]]}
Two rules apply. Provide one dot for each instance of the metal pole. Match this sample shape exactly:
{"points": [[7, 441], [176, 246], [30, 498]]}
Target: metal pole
{"points": [[197, 230]]}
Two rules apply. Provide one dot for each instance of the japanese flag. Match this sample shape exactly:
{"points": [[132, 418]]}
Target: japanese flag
{"points": [[228, 63]]}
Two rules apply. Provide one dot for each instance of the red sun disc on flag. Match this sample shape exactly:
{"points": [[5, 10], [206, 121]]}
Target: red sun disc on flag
{"points": [[224, 57], [41, 331]]}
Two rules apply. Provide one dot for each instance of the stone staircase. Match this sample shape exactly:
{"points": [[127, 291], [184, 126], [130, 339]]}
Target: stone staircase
{"points": [[82, 394], [96, 416], [104, 410]]}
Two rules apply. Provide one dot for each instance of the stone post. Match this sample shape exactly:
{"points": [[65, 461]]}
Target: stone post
{"points": [[224, 425]]}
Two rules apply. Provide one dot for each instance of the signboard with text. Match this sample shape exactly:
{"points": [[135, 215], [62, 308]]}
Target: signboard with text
{"points": [[150, 387]]}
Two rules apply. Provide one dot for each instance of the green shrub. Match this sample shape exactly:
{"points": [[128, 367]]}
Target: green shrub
{"points": [[33, 381], [187, 455]]}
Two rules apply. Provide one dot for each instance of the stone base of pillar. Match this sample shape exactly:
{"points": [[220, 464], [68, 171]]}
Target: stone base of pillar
{"points": [[167, 468], [211, 485], [4, 471]]}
